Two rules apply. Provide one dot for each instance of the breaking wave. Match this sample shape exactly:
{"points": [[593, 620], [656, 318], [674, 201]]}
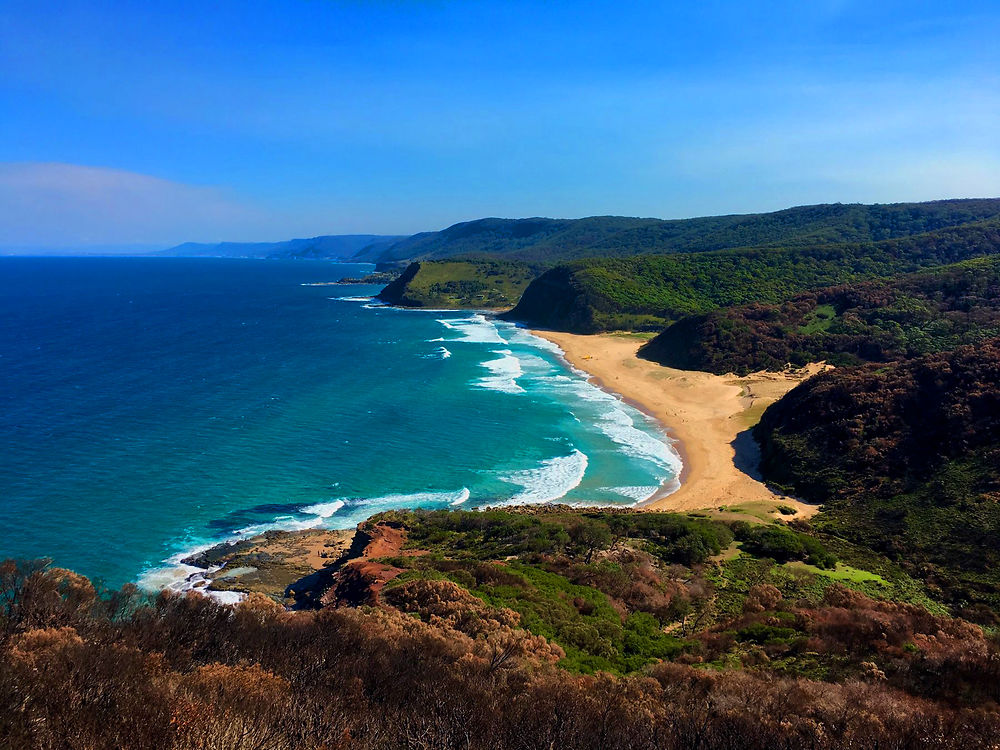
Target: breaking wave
{"points": [[549, 482]]}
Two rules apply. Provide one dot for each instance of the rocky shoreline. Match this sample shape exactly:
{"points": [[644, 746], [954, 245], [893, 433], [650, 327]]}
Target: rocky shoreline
{"points": [[311, 568], [282, 565]]}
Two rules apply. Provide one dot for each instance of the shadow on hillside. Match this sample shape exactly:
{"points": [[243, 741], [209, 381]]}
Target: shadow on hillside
{"points": [[308, 590], [747, 458]]}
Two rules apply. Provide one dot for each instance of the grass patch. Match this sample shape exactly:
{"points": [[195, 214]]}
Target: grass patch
{"points": [[751, 415], [636, 335], [842, 573], [581, 620], [819, 320]]}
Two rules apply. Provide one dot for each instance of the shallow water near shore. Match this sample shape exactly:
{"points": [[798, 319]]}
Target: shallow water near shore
{"points": [[154, 406]]}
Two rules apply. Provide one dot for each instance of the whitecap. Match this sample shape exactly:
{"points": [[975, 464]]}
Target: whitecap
{"points": [[439, 353], [476, 329], [620, 428], [352, 299], [281, 523], [323, 510], [636, 492], [615, 420], [412, 499], [178, 576], [506, 370], [549, 482]]}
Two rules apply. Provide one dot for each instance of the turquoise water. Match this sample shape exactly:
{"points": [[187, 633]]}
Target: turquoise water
{"points": [[152, 406]]}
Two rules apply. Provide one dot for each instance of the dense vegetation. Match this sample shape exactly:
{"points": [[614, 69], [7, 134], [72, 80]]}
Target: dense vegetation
{"points": [[476, 283], [618, 591], [906, 459], [648, 291], [539, 240], [487, 634], [927, 312]]}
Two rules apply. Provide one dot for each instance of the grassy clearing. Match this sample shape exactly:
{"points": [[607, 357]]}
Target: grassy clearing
{"points": [[636, 335], [761, 511], [819, 320], [751, 416], [842, 572]]}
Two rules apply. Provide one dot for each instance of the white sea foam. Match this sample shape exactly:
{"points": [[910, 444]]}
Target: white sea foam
{"points": [[198, 580], [636, 492], [413, 499], [439, 353], [519, 335], [617, 423], [180, 577], [619, 426], [353, 299], [505, 372], [350, 510], [476, 329], [324, 510], [345, 512], [550, 481], [281, 523], [175, 575]]}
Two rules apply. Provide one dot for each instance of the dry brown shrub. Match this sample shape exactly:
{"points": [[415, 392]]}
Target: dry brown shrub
{"points": [[34, 646], [761, 598]]}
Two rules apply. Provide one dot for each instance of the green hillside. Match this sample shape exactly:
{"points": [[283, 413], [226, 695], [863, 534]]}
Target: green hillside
{"points": [[930, 311], [483, 284], [541, 240], [650, 291], [905, 458]]}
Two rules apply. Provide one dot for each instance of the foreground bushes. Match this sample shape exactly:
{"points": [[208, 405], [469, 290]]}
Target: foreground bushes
{"points": [[80, 671]]}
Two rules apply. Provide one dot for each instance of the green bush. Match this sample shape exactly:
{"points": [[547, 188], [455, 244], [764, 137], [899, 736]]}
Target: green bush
{"points": [[782, 544]]}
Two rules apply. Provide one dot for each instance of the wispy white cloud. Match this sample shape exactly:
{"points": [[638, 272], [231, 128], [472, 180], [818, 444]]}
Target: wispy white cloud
{"points": [[64, 205]]}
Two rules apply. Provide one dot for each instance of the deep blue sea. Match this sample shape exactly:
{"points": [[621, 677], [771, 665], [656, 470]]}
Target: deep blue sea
{"points": [[150, 406]]}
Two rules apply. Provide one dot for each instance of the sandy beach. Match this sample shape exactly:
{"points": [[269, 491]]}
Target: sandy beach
{"points": [[709, 415]]}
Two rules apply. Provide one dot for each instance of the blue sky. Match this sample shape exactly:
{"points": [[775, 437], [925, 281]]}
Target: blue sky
{"points": [[159, 122]]}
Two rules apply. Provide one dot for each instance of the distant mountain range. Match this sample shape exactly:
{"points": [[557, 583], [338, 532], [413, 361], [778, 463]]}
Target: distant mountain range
{"points": [[545, 242], [334, 246]]}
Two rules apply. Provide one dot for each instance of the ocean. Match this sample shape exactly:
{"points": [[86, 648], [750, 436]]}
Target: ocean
{"points": [[152, 406]]}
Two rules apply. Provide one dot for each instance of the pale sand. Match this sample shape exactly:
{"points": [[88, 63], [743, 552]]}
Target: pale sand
{"points": [[704, 412]]}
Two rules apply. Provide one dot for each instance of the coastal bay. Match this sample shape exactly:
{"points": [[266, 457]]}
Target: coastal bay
{"points": [[273, 405], [710, 415]]}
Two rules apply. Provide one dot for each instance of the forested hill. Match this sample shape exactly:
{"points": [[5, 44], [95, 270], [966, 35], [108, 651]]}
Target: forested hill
{"points": [[930, 311], [906, 459], [650, 291], [481, 283], [541, 240]]}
